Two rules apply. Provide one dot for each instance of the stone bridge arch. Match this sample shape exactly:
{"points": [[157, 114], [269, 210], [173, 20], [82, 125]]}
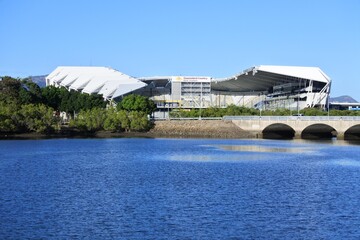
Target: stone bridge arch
{"points": [[278, 131], [318, 131], [352, 133]]}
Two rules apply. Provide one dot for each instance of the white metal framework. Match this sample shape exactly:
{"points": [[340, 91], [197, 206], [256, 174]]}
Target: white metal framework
{"points": [[279, 86], [101, 80]]}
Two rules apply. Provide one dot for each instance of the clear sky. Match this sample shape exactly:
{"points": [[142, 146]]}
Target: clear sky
{"points": [[216, 38]]}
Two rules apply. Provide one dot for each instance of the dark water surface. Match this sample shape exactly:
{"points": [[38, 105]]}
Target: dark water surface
{"points": [[179, 189]]}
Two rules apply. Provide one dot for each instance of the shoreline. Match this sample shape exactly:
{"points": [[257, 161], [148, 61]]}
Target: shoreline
{"points": [[161, 129]]}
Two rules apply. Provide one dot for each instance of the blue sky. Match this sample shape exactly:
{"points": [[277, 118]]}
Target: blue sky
{"points": [[205, 37]]}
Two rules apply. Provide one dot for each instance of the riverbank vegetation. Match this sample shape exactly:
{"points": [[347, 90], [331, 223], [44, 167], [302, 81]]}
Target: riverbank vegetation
{"points": [[233, 110], [25, 107]]}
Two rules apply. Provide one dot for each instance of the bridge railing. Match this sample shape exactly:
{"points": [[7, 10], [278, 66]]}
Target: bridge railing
{"points": [[190, 118], [293, 118], [273, 118]]}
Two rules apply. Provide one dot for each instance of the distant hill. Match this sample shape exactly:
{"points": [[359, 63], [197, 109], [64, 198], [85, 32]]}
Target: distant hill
{"points": [[39, 80], [343, 99]]}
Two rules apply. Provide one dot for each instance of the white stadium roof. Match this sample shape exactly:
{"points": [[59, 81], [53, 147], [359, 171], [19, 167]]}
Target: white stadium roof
{"points": [[313, 73], [101, 80], [261, 78]]}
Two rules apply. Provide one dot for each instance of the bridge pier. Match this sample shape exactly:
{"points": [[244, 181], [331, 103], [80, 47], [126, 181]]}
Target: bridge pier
{"points": [[259, 135], [297, 135], [340, 136]]}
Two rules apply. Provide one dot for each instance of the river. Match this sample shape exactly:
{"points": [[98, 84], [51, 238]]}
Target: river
{"points": [[134, 188]]}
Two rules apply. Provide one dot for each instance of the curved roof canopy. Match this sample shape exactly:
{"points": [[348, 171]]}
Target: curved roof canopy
{"points": [[101, 80], [262, 78]]}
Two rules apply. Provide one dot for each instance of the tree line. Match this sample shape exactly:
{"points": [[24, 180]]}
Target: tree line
{"points": [[25, 107], [233, 110], [130, 114]]}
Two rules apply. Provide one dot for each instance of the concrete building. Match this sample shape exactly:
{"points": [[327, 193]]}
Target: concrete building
{"points": [[262, 87]]}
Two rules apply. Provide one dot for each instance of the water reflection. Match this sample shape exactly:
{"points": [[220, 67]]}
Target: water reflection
{"points": [[351, 142], [259, 148], [214, 158], [332, 141], [347, 163]]}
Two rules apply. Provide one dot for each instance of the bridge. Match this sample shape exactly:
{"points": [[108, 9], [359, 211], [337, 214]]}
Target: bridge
{"points": [[306, 127]]}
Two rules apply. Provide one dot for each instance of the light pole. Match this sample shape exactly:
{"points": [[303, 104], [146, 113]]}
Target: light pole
{"points": [[200, 108], [260, 104], [328, 105], [298, 100], [201, 89], [168, 115]]}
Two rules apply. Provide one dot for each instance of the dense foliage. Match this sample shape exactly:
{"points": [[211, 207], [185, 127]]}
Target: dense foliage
{"points": [[22, 108], [112, 120], [71, 101], [19, 92], [25, 107], [233, 110], [137, 103], [130, 114], [27, 118]]}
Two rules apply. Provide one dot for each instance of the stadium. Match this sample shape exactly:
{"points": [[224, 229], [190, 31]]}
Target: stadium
{"points": [[263, 87]]}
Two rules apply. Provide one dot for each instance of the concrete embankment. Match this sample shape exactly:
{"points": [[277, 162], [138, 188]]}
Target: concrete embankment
{"points": [[199, 128]]}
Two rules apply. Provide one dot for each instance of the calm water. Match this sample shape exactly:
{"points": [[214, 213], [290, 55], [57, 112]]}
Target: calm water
{"points": [[178, 189]]}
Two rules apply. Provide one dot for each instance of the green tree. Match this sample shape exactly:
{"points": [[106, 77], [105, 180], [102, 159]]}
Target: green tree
{"points": [[30, 92], [138, 103], [118, 120], [124, 119], [8, 121], [51, 96], [138, 121], [19, 91], [71, 101], [112, 121], [313, 112], [9, 89], [89, 120], [38, 118]]}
